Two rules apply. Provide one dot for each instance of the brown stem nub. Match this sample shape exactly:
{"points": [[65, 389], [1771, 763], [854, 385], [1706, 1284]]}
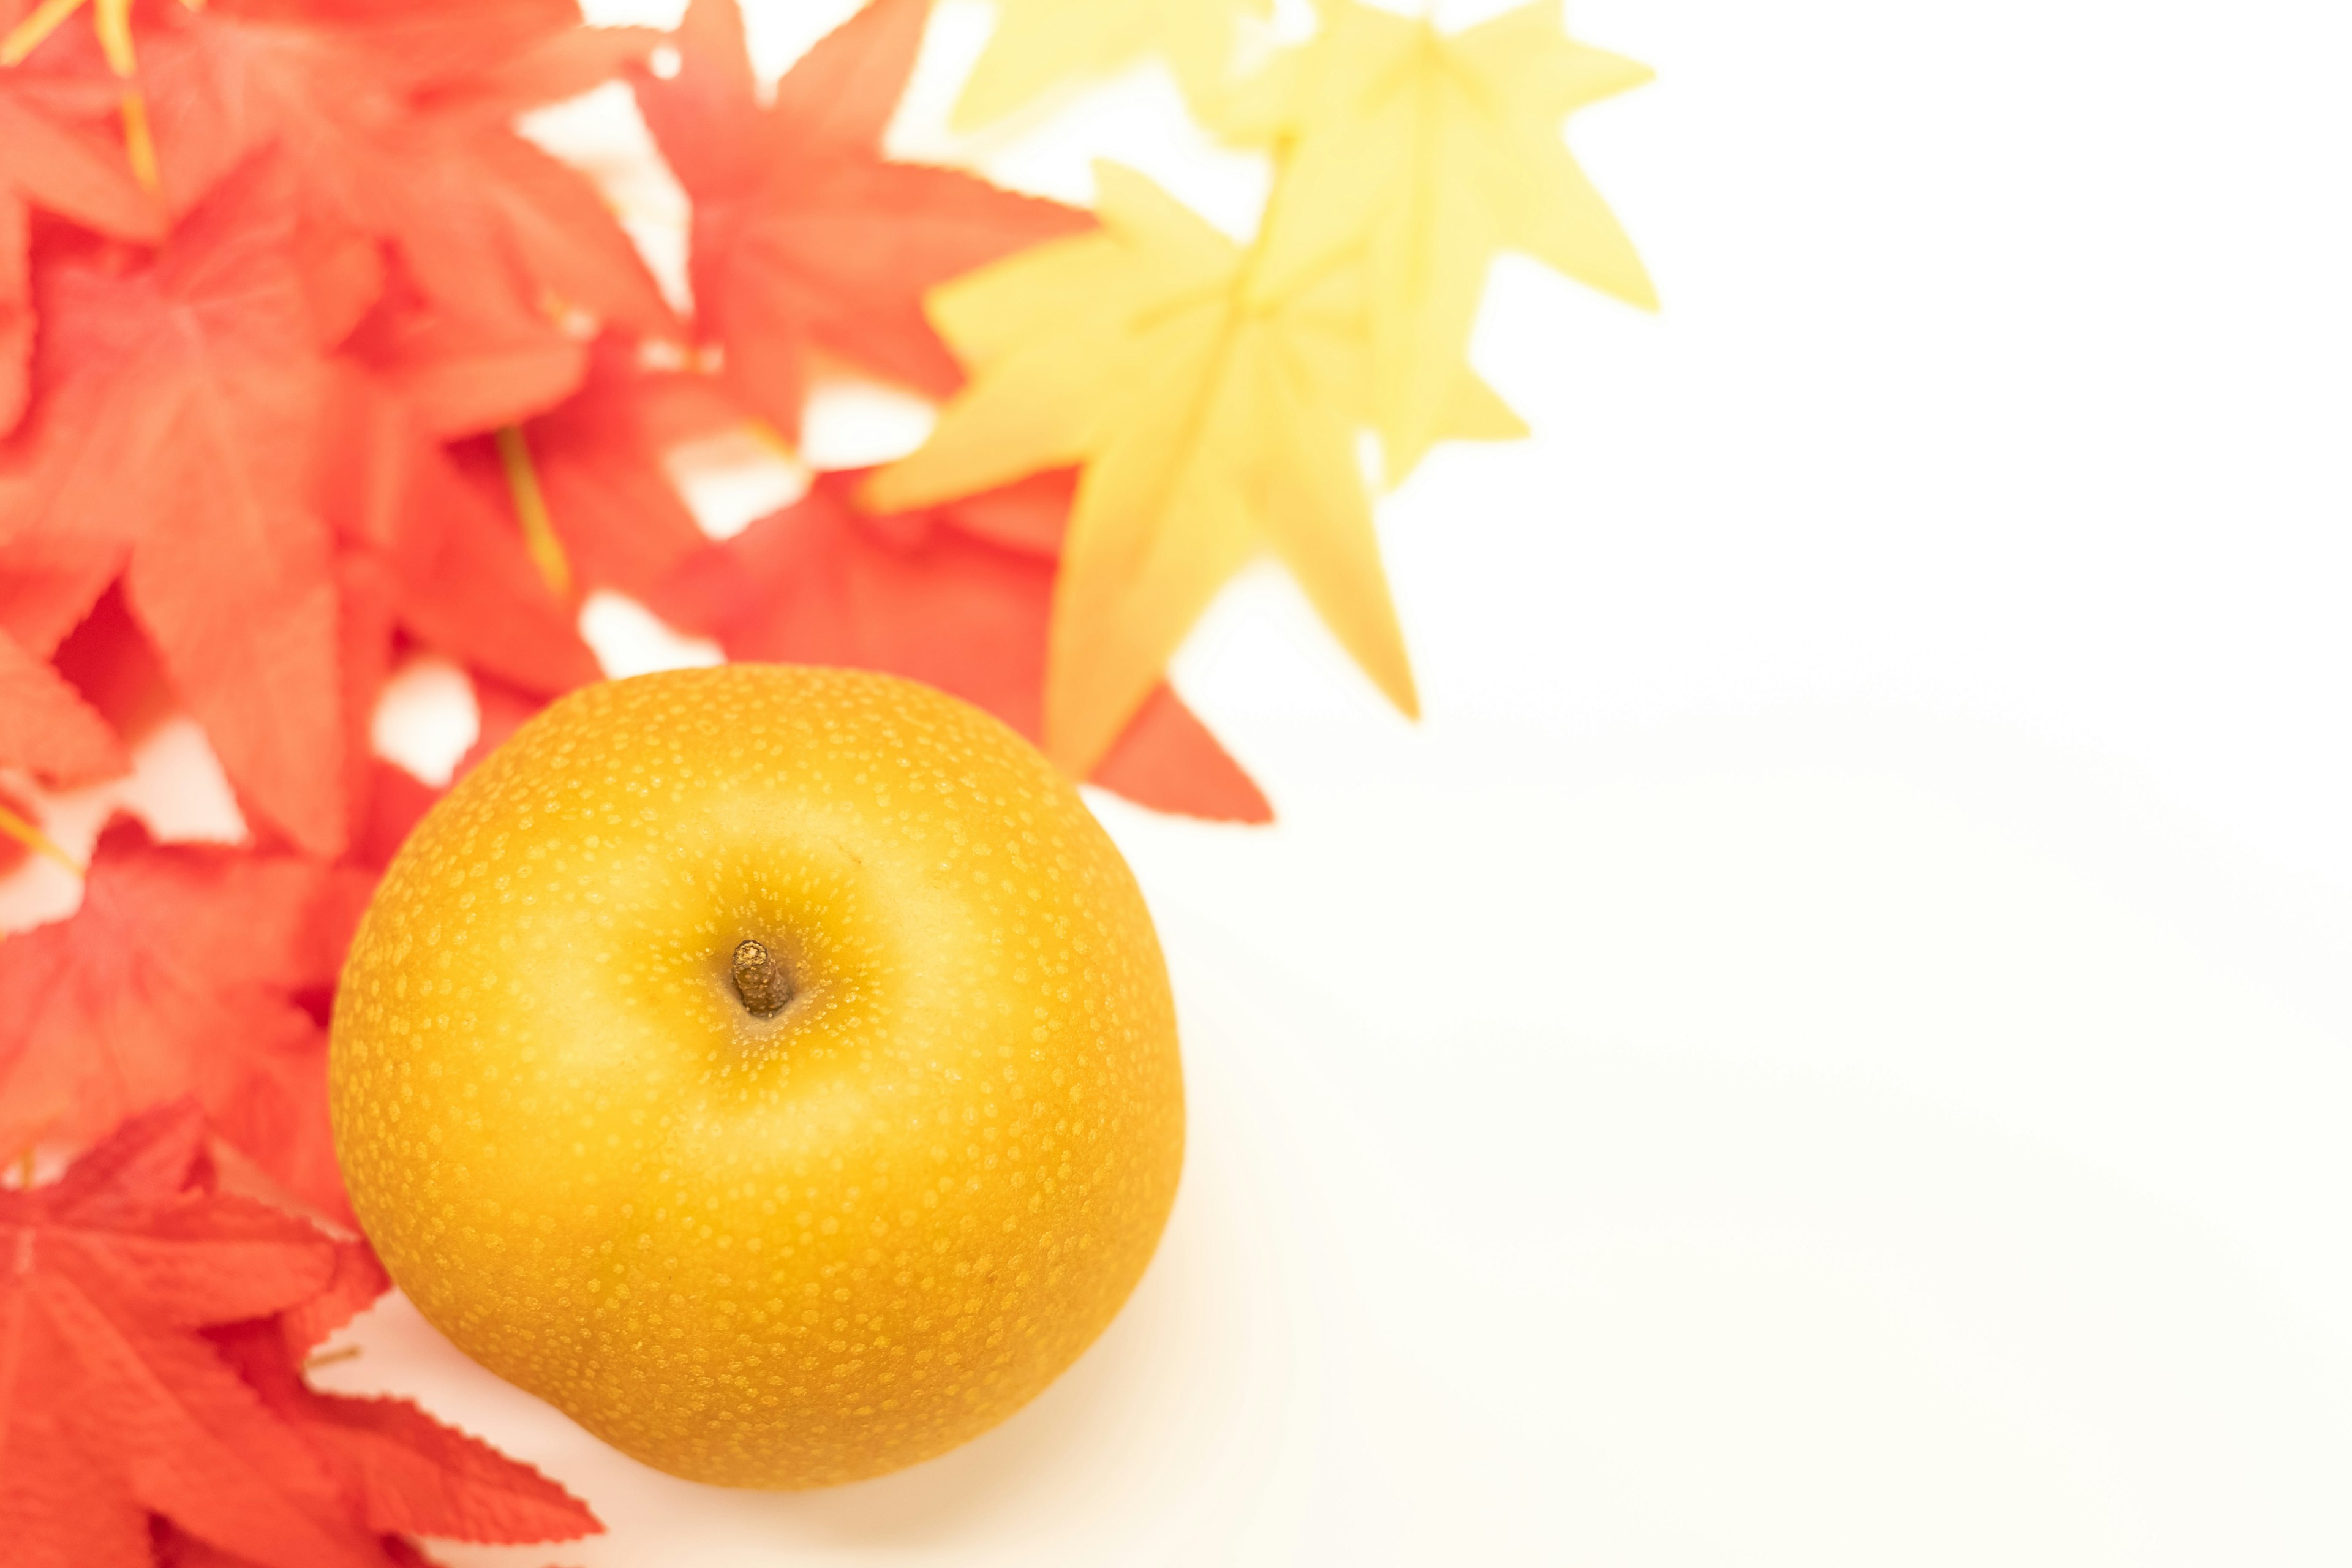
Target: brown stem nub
{"points": [[760, 981]]}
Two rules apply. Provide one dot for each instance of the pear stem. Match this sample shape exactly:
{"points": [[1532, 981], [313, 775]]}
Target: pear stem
{"points": [[760, 981]]}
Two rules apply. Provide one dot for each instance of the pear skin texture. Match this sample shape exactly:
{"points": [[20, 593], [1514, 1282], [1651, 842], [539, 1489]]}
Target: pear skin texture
{"points": [[777, 1251]]}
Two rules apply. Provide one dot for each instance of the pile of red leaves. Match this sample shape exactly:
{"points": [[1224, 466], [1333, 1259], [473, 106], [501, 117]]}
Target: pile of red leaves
{"points": [[153, 1333], [309, 361]]}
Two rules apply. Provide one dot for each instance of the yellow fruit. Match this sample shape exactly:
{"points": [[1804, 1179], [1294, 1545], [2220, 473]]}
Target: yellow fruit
{"points": [[779, 1215]]}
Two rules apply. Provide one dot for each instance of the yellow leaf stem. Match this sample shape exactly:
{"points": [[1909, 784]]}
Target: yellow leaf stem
{"points": [[531, 510], [30, 836], [27, 35], [111, 22], [139, 142]]}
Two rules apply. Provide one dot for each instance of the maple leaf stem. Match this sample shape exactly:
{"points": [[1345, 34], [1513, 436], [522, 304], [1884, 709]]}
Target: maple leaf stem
{"points": [[330, 1358], [139, 142], [33, 839], [27, 35], [1242, 302], [1248, 283], [531, 510], [28, 1168], [112, 25]]}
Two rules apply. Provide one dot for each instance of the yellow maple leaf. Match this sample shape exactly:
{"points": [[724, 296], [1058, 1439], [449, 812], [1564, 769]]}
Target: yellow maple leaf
{"points": [[1040, 44], [1425, 155], [1216, 421]]}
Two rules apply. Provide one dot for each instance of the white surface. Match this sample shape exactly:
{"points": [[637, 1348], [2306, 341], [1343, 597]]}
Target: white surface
{"points": [[1832, 1044]]}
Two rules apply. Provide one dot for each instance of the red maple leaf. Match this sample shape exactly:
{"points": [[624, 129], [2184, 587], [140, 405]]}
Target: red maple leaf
{"points": [[50, 159], [176, 1548], [174, 445], [112, 1405], [110, 663], [151, 1334], [462, 583], [805, 236], [463, 377], [185, 972], [959, 597], [358, 1281], [599, 460], [403, 1472], [398, 127], [47, 728], [422, 42]]}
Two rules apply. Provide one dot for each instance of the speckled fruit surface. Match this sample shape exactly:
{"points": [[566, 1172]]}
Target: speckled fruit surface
{"points": [[775, 1251]]}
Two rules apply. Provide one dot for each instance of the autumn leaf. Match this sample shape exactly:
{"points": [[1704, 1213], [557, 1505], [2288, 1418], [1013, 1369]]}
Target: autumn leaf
{"points": [[153, 1332], [462, 580], [357, 1282], [1039, 44], [464, 376], [55, 560], [959, 597], [173, 449], [113, 1406], [418, 44], [49, 158], [47, 729], [365, 636], [805, 236], [1425, 155], [405, 135], [400, 1471], [1216, 420], [176, 1548], [185, 972], [16, 306], [111, 665], [610, 501]]}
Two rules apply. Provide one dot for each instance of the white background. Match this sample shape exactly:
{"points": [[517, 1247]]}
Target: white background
{"points": [[1832, 1042]]}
